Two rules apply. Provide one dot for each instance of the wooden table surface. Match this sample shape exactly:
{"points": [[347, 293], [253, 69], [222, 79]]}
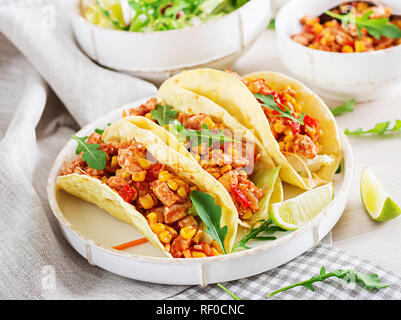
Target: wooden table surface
{"points": [[355, 232]]}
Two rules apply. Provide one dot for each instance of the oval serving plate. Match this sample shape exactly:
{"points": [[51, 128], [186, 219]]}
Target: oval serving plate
{"points": [[92, 232]]}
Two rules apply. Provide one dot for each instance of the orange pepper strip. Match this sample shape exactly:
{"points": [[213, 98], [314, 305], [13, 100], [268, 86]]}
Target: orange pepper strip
{"points": [[130, 244]]}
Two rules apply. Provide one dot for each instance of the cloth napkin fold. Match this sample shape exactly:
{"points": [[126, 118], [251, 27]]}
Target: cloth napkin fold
{"points": [[44, 98]]}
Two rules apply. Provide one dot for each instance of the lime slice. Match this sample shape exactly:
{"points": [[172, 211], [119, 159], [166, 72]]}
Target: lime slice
{"points": [[375, 199], [294, 213]]}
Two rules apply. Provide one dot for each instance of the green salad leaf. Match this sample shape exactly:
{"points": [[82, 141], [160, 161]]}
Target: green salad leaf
{"points": [[375, 27], [95, 158], [346, 107], [268, 102], [380, 128], [210, 213], [272, 24], [164, 114], [368, 280]]}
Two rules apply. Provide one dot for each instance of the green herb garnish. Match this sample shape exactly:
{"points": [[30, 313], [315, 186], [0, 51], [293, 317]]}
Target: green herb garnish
{"points": [[346, 107], [369, 281], [229, 292], [375, 27], [272, 24], [338, 171], [196, 137], [379, 128], [164, 114], [99, 131], [210, 213], [268, 102], [253, 234], [95, 158]]}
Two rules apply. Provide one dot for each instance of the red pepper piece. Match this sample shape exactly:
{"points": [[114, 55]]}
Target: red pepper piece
{"points": [[240, 196], [127, 193]]}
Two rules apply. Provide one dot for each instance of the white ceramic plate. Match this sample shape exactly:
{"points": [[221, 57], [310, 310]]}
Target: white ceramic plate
{"points": [[158, 55], [93, 232]]}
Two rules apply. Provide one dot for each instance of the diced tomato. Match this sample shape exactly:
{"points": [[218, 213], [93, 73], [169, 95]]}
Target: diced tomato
{"points": [[311, 122], [295, 126], [240, 196], [127, 193]]}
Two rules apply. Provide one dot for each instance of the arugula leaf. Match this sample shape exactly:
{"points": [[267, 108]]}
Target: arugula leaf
{"points": [[346, 107], [254, 232], [164, 114], [268, 102], [380, 128], [210, 213], [369, 281], [95, 158], [229, 292], [199, 136], [375, 27], [339, 169], [99, 131], [272, 24]]}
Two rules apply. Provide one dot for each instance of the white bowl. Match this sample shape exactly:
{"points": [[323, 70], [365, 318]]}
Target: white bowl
{"points": [[92, 232], [158, 55], [338, 76]]}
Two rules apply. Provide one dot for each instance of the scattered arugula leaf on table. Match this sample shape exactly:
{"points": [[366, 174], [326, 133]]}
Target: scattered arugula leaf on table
{"points": [[253, 234], [346, 107], [369, 280], [164, 114], [95, 158], [375, 27], [268, 102], [210, 213], [380, 128], [229, 292], [272, 24]]}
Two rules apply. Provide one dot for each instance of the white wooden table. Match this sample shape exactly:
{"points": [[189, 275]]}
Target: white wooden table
{"points": [[355, 232]]}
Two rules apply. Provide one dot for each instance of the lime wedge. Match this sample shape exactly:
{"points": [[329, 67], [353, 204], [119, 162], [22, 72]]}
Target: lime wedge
{"points": [[294, 213], [375, 199]]}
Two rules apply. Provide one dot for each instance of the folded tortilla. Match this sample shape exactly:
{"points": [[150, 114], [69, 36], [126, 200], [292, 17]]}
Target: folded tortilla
{"points": [[230, 93], [95, 191]]}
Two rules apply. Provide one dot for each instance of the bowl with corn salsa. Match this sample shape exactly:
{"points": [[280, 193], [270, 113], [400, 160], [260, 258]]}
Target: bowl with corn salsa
{"points": [[345, 50]]}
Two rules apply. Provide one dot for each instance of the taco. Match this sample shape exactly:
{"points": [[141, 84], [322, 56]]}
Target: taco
{"points": [[198, 128], [293, 123], [147, 184]]}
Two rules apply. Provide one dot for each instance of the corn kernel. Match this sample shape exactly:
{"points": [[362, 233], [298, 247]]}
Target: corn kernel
{"points": [[193, 188], [279, 127], [179, 182], [164, 176], [164, 236], [214, 252], [148, 116], [216, 246], [347, 49], [157, 227], [182, 192], [167, 247], [360, 46], [114, 163], [124, 113], [288, 138], [146, 201], [104, 179], [139, 176], [187, 254], [188, 232], [144, 163], [199, 236], [209, 123], [125, 174], [198, 254], [281, 144], [317, 28], [247, 215], [152, 217], [172, 184], [172, 231], [225, 168], [288, 146]]}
